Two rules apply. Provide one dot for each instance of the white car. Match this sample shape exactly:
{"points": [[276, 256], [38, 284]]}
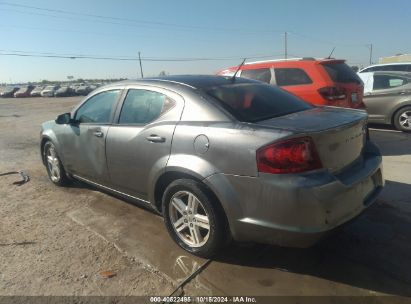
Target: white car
{"points": [[49, 91], [396, 66]]}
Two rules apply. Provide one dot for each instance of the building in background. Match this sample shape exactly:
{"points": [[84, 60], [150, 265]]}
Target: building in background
{"points": [[396, 58]]}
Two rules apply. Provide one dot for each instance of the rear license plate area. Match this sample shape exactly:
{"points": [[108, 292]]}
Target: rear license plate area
{"points": [[354, 97]]}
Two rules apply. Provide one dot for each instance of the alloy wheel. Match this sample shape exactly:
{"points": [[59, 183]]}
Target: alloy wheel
{"points": [[405, 120], [53, 164], [189, 219]]}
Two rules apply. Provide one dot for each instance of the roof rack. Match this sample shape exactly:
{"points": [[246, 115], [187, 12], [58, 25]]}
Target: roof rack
{"points": [[272, 60]]}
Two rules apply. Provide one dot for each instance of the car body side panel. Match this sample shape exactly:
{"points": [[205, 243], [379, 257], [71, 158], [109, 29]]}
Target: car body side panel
{"points": [[382, 104], [229, 147]]}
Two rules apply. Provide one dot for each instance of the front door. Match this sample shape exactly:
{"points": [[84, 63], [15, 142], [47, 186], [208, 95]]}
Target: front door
{"points": [[84, 141]]}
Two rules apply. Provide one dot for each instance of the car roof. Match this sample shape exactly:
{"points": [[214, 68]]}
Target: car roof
{"points": [[387, 64], [192, 81], [291, 61]]}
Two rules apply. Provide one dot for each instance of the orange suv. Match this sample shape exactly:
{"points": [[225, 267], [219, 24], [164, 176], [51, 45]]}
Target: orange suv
{"points": [[318, 81]]}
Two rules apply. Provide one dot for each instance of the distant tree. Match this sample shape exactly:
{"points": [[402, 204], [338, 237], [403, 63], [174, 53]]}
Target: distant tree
{"points": [[162, 73], [355, 68]]}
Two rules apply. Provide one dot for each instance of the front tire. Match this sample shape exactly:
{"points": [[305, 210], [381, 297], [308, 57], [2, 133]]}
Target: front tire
{"points": [[55, 169], [402, 119], [193, 218]]}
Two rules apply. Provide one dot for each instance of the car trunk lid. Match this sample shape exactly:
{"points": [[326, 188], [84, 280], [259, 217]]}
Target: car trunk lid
{"points": [[339, 134]]}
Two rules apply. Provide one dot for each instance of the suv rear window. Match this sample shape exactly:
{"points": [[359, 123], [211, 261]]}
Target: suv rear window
{"points": [[251, 102], [340, 72], [291, 76]]}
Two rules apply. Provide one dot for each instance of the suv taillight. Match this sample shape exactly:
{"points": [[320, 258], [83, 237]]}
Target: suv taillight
{"points": [[289, 156], [332, 93]]}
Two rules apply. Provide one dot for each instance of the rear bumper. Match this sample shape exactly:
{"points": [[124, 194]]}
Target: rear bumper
{"points": [[296, 210]]}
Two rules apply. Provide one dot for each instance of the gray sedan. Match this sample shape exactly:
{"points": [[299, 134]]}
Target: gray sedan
{"points": [[387, 97], [220, 158]]}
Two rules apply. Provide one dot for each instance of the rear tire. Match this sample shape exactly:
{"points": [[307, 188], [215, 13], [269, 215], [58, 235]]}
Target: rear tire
{"points": [[54, 167], [194, 219], [402, 119]]}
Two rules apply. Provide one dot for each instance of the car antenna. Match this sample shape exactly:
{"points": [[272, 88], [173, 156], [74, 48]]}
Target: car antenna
{"points": [[329, 57], [238, 69]]}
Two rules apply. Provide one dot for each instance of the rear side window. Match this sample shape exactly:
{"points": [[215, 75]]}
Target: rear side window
{"points": [[256, 102], [382, 82], [340, 72], [263, 75], [291, 76], [142, 106]]}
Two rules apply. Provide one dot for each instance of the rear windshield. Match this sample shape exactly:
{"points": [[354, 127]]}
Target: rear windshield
{"points": [[340, 72], [250, 102]]}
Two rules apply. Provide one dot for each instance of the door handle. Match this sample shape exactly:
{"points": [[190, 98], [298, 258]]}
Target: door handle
{"points": [[98, 133], [155, 139]]}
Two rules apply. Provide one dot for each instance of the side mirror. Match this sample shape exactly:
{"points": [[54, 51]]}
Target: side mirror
{"points": [[63, 119]]}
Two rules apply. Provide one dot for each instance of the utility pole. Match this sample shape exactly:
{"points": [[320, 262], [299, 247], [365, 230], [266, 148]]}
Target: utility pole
{"points": [[370, 53], [141, 67], [285, 45], [370, 48]]}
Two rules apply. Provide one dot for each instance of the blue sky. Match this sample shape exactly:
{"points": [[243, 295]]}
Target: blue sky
{"points": [[228, 30]]}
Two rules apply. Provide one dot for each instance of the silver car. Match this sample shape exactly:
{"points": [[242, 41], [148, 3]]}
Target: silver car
{"points": [[220, 158], [387, 97]]}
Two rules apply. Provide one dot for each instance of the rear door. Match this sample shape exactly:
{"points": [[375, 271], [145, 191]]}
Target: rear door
{"points": [[139, 144]]}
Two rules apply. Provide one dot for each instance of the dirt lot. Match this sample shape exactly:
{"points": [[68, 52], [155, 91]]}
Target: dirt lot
{"points": [[56, 241]]}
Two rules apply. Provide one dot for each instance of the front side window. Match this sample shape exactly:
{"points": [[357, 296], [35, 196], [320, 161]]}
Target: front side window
{"points": [[263, 75], [291, 76], [142, 106], [98, 108]]}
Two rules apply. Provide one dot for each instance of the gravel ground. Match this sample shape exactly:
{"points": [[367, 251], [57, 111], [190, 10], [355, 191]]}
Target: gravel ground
{"points": [[42, 251]]}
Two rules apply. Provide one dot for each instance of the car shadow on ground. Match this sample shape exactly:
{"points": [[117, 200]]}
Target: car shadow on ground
{"points": [[372, 252], [390, 141]]}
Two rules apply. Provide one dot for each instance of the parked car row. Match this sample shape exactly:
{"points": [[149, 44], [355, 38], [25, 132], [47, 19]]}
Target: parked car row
{"points": [[47, 91], [386, 95]]}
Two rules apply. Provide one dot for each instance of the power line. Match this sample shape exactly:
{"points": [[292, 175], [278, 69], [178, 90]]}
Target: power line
{"points": [[129, 58], [127, 21], [324, 41], [150, 24]]}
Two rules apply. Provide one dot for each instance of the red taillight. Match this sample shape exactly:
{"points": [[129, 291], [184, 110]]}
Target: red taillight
{"points": [[289, 156], [333, 93]]}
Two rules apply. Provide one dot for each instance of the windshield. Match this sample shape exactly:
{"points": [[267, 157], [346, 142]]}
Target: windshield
{"points": [[340, 72], [251, 102]]}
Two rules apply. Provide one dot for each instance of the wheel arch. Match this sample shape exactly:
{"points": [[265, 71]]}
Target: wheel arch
{"points": [[169, 176]]}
